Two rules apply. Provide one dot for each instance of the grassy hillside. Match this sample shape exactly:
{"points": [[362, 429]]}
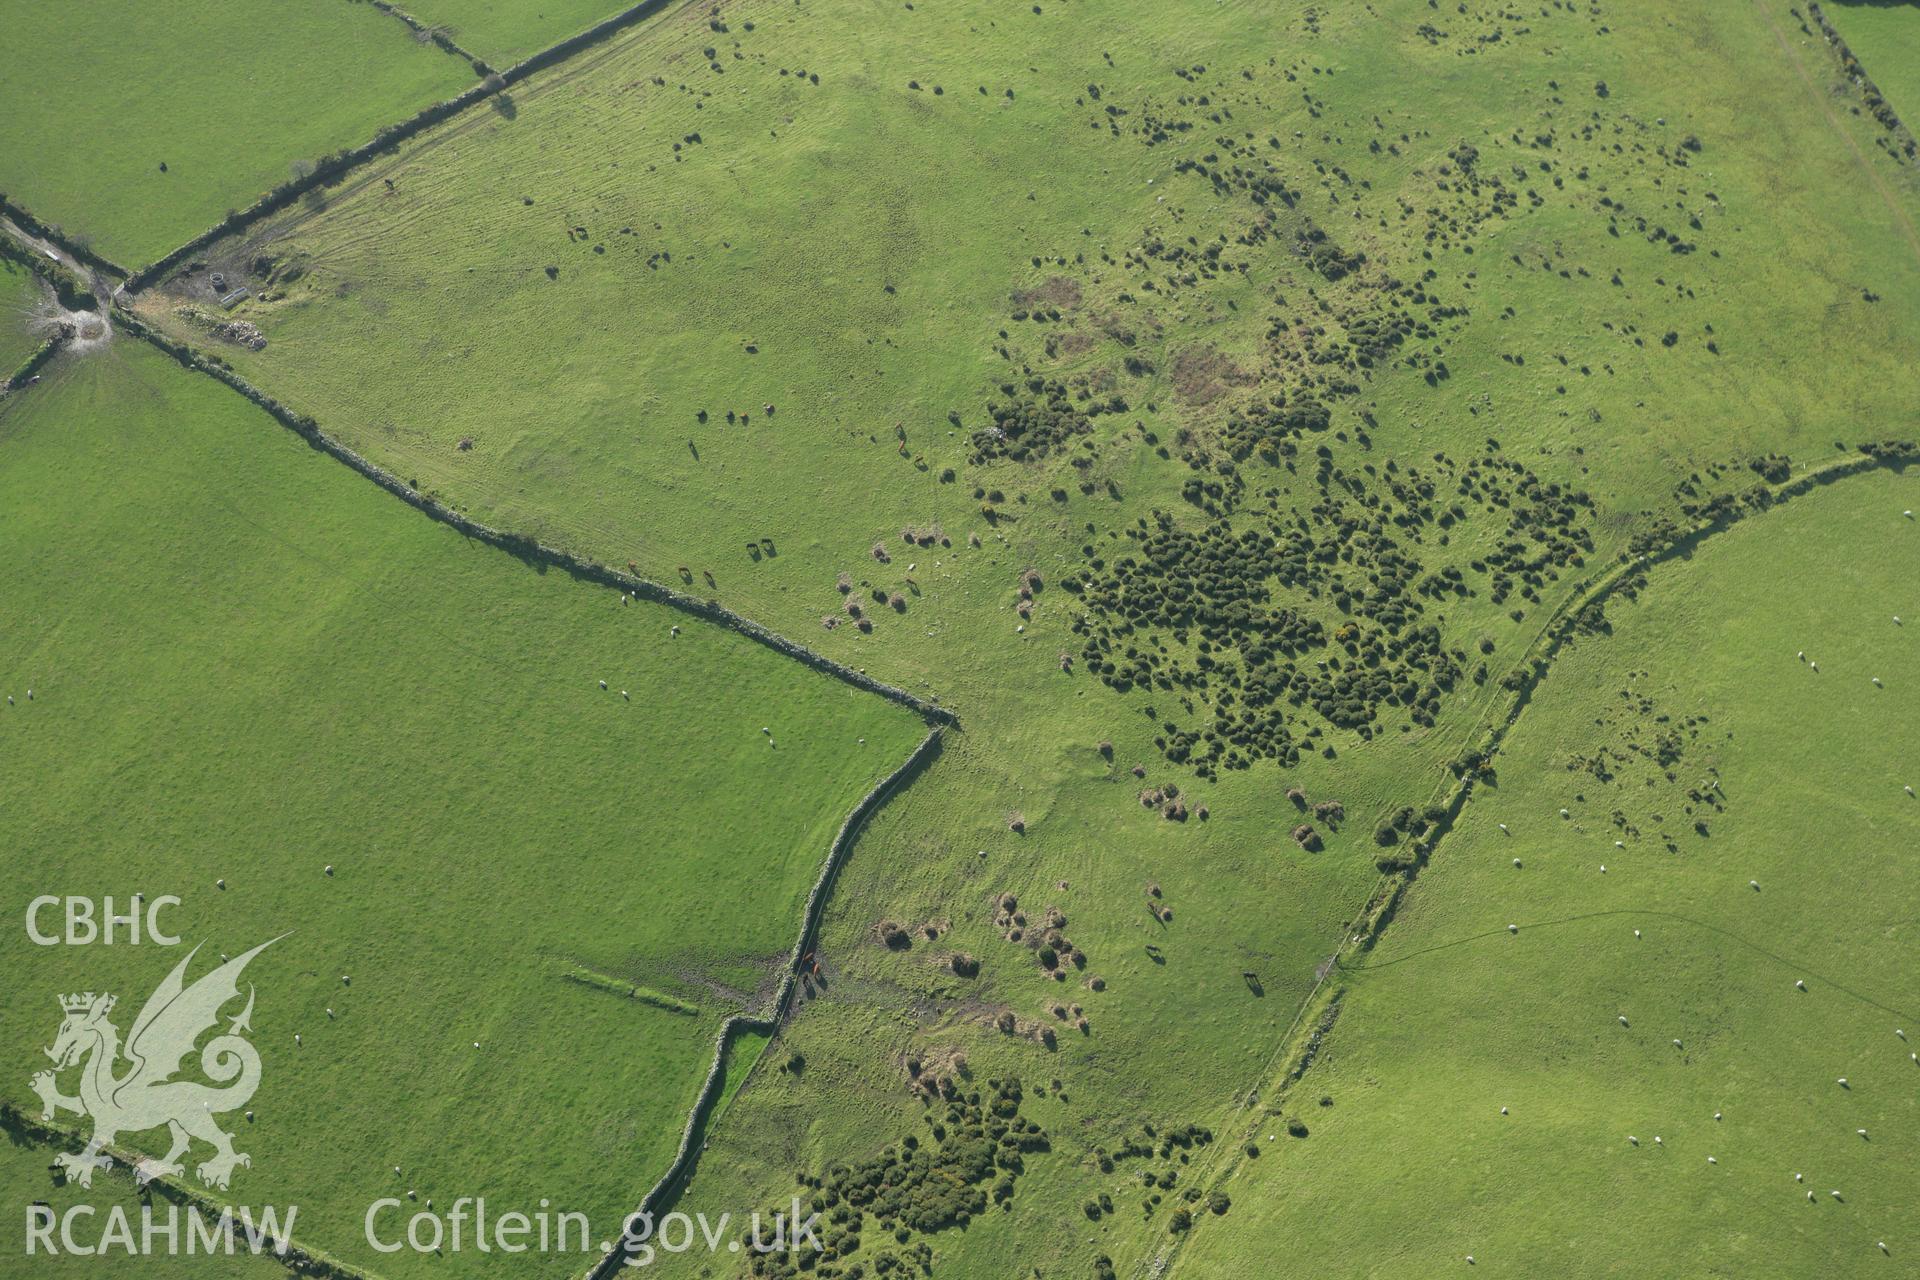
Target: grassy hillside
{"points": [[1480, 1092], [261, 684], [136, 127], [1243, 389]]}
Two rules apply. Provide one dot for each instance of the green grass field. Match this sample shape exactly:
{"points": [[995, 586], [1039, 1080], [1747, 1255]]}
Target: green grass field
{"points": [[1206, 404], [247, 665], [506, 31], [1414, 1165], [20, 296], [134, 130], [1612, 285], [25, 1180], [1885, 36]]}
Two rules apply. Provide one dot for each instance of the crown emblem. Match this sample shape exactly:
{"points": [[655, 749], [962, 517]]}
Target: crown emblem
{"points": [[80, 1002]]}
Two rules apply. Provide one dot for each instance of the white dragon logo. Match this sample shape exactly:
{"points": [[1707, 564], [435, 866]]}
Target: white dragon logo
{"points": [[146, 1096]]}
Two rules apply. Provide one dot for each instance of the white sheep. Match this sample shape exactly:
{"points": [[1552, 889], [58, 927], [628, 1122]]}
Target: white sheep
{"points": [[1800, 984], [1513, 928]]}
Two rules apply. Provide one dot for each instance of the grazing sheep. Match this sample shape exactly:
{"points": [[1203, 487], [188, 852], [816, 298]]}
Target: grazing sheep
{"points": [[1716, 1115], [603, 684], [1842, 1082], [1635, 1141], [1676, 1044], [1513, 928], [1623, 1019], [1800, 984], [1753, 884], [1516, 862], [1861, 1132], [1711, 1160]]}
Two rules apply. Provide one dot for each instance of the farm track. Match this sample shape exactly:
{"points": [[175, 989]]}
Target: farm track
{"points": [[1295, 1049]]}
